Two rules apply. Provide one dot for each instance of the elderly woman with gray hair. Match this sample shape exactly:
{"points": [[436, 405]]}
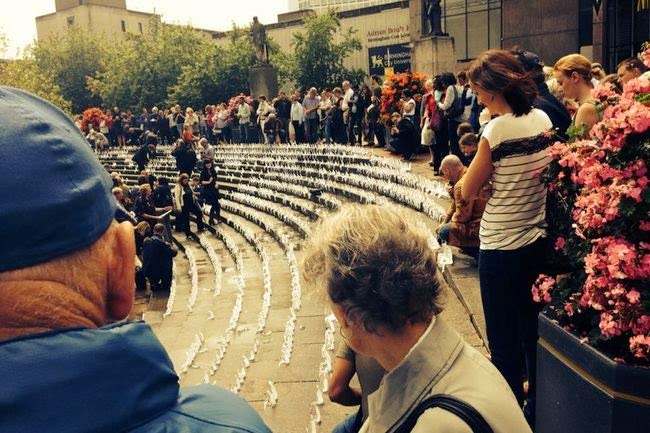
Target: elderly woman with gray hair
{"points": [[380, 276]]}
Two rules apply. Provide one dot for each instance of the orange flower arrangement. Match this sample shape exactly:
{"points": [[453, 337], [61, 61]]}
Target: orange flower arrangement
{"points": [[391, 93]]}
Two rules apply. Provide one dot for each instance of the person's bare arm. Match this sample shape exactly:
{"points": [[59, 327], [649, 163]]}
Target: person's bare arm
{"points": [[479, 171], [587, 115], [340, 390]]}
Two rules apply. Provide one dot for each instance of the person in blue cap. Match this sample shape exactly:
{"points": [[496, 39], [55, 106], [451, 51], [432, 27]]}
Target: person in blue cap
{"points": [[67, 360]]}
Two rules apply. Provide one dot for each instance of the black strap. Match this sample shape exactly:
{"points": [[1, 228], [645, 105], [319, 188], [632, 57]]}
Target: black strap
{"points": [[451, 404]]}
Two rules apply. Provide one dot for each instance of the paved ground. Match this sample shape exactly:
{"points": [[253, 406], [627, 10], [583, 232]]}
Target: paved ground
{"points": [[299, 382]]}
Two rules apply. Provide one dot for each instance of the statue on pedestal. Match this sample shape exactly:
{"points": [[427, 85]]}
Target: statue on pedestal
{"points": [[258, 35], [262, 76], [433, 12]]}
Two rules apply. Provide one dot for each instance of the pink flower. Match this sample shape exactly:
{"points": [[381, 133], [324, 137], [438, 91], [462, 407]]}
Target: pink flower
{"points": [[640, 346], [608, 326], [559, 243], [542, 288], [633, 296], [568, 307]]}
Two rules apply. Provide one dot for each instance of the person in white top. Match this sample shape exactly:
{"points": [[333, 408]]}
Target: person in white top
{"points": [[512, 153], [452, 106], [263, 112], [297, 120], [244, 117], [408, 109], [391, 315]]}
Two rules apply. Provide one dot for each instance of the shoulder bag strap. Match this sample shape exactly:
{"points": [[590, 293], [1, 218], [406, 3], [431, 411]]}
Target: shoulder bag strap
{"points": [[451, 404]]}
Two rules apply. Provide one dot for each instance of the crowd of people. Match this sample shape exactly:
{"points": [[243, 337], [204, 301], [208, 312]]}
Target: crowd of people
{"points": [[498, 216], [68, 256]]}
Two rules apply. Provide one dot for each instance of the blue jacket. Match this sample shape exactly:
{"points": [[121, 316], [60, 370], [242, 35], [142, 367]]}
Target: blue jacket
{"points": [[114, 379]]}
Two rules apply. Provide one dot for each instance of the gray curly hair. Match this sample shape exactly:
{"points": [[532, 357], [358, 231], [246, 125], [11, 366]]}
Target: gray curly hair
{"points": [[376, 264]]}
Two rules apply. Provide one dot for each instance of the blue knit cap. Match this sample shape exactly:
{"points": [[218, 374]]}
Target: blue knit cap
{"points": [[55, 196]]}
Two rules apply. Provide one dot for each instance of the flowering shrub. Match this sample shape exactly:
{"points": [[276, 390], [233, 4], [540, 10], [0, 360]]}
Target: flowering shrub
{"points": [[391, 95], [233, 103], [91, 118], [600, 185]]}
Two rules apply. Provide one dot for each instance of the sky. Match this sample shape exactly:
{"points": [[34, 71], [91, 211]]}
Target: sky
{"points": [[17, 21]]}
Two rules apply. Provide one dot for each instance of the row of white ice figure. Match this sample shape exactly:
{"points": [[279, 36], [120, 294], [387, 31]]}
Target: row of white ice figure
{"points": [[369, 189], [403, 177], [257, 186], [271, 208], [288, 246]]}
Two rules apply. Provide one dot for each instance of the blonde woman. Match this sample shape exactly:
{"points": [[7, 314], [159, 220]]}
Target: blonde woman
{"points": [[142, 231], [573, 74], [192, 119]]}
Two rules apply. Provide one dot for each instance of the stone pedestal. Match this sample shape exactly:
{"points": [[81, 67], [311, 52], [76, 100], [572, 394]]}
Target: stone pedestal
{"points": [[433, 55], [263, 81]]}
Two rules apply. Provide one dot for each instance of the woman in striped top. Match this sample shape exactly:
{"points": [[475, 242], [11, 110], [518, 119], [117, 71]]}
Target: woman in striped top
{"points": [[511, 153]]}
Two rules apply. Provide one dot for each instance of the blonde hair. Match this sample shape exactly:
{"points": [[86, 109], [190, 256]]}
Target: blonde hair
{"points": [[574, 63], [376, 264], [143, 228]]}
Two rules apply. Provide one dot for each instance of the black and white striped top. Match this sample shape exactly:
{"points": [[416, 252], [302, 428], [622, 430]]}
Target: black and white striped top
{"points": [[515, 213]]}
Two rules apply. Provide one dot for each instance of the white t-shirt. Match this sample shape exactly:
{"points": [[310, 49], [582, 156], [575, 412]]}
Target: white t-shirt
{"points": [[515, 214], [346, 99], [410, 112]]}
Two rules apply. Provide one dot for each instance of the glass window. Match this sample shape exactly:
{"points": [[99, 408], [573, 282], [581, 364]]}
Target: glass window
{"points": [[123, 25], [477, 33], [457, 29], [475, 25], [585, 23], [140, 28], [70, 21], [495, 28]]}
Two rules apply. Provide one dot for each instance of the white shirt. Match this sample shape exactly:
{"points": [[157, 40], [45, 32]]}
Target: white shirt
{"points": [[410, 112], [297, 114], [346, 99], [515, 214]]}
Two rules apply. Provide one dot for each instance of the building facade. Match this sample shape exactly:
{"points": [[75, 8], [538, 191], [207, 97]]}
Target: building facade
{"points": [[340, 5], [110, 17], [606, 31]]}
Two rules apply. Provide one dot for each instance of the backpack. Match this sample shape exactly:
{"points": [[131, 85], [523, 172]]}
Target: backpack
{"points": [[451, 404], [458, 106]]}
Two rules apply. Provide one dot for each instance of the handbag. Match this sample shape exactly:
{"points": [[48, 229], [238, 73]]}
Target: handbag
{"points": [[451, 404], [427, 135], [436, 120]]}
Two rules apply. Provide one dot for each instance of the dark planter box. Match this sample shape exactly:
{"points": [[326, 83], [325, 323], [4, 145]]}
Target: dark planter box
{"points": [[579, 390]]}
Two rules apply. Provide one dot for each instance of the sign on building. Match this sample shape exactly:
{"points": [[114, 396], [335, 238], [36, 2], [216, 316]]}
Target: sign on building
{"points": [[397, 57]]}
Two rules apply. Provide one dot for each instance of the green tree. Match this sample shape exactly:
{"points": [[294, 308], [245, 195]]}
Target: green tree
{"points": [[25, 74], [70, 58], [142, 70], [221, 71], [318, 58]]}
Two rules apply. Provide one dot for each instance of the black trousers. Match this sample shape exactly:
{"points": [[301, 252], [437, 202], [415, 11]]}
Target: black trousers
{"points": [[441, 146], [192, 209], [161, 279], [506, 278], [299, 129], [215, 211]]}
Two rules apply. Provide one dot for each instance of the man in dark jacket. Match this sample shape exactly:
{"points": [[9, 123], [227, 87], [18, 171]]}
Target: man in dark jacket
{"points": [[185, 157], [68, 361], [157, 258], [403, 133], [545, 101], [143, 155], [283, 110]]}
